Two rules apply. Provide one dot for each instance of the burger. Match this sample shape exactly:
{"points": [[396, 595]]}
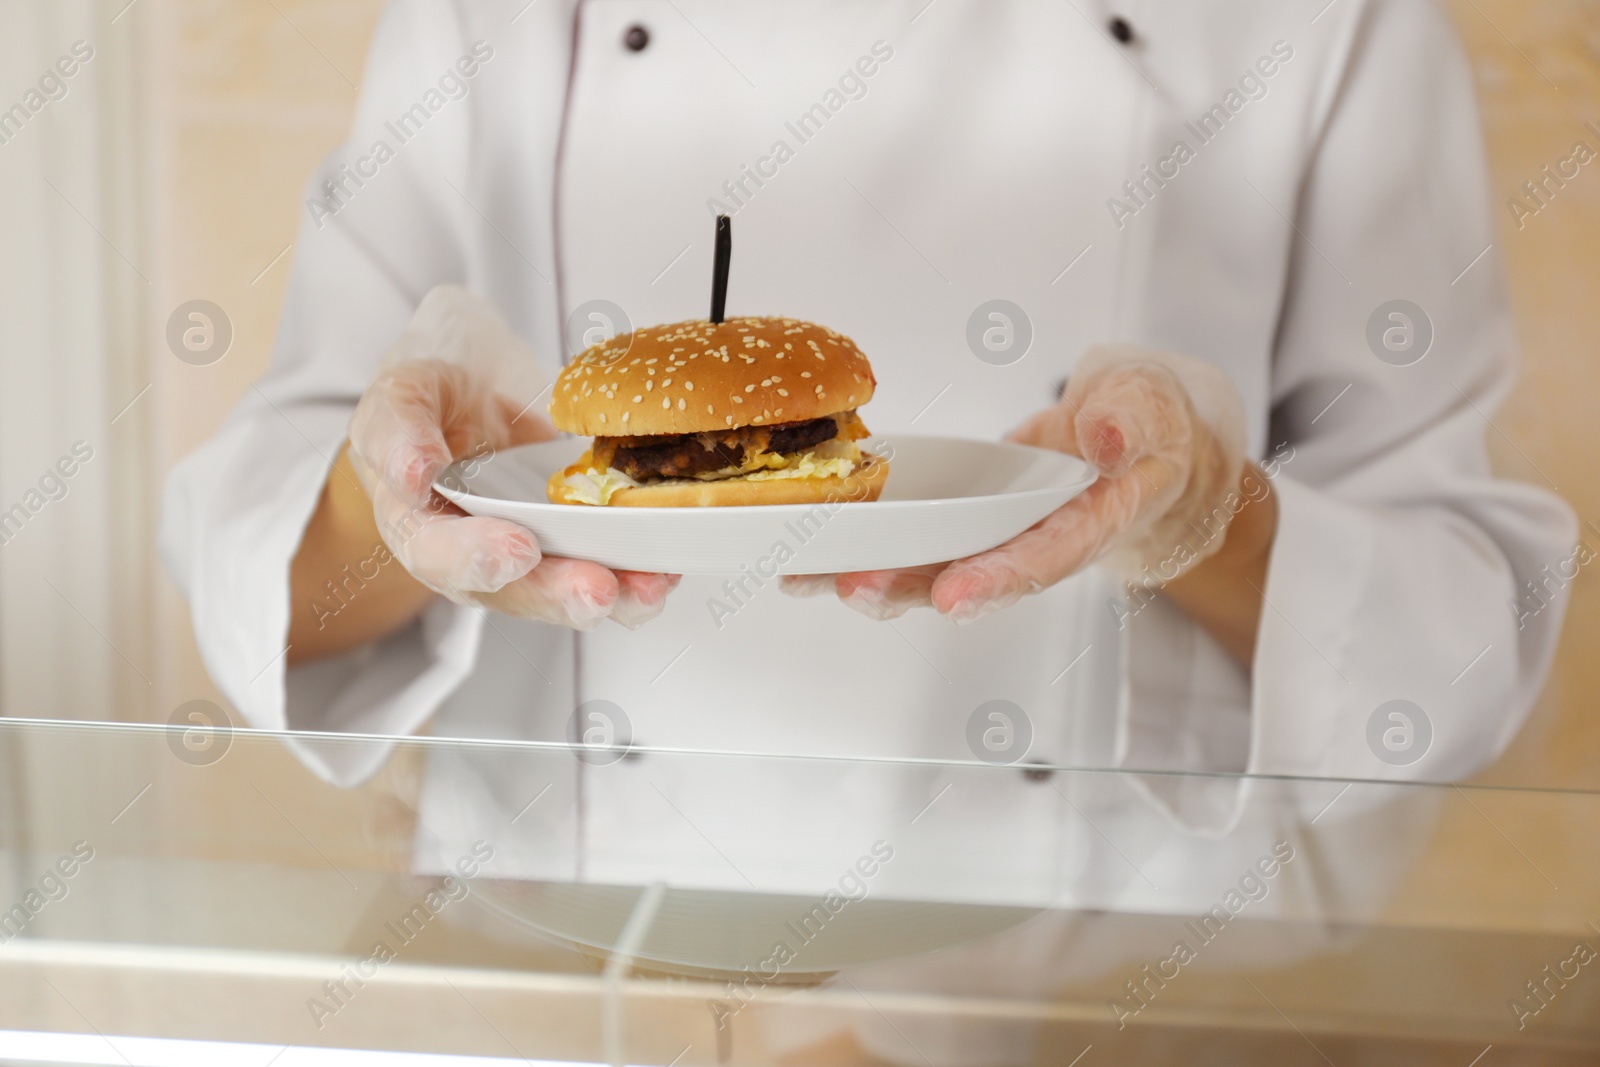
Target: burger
{"points": [[702, 414]]}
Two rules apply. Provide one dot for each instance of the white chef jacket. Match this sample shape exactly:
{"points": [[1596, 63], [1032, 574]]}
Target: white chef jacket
{"points": [[998, 150]]}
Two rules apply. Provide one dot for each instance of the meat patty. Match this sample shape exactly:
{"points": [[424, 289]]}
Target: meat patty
{"points": [[799, 436], [679, 457], [685, 455]]}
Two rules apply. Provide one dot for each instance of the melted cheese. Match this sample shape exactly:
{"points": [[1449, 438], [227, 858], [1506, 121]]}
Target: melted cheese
{"points": [[851, 426]]}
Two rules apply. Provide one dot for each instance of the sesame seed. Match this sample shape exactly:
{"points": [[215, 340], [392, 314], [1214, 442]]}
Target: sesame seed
{"points": [[805, 374], [749, 388], [764, 383], [708, 409], [666, 402], [668, 382], [728, 420], [783, 392], [689, 386], [737, 399], [681, 404], [638, 398], [602, 416], [625, 415]]}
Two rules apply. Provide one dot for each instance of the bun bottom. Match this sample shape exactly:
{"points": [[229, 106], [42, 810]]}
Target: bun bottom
{"points": [[864, 483]]}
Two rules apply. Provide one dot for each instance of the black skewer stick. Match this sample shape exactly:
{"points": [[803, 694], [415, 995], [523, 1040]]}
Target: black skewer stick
{"points": [[719, 268]]}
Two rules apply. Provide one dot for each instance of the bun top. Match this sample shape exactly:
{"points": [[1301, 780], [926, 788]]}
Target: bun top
{"points": [[699, 376]]}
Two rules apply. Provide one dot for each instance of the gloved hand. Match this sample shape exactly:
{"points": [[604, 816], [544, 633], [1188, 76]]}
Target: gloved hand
{"points": [[459, 383], [1166, 432]]}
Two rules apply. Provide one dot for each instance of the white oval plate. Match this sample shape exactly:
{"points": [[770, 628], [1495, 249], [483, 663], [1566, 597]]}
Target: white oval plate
{"points": [[946, 498]]}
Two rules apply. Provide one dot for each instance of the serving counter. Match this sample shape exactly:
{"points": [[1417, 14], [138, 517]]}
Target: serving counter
{"points": [[195, 895]]}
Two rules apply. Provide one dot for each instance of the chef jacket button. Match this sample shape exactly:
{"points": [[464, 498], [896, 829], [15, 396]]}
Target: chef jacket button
{"points": [[637, 38], [1034, 772], [1121, 29]]}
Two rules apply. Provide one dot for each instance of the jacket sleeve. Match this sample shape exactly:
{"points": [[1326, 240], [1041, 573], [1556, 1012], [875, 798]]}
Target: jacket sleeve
{"points": [[235, 510], [1402, 565]]}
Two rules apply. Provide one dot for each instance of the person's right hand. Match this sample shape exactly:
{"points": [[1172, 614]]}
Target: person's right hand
{"points": [[422, 414]]}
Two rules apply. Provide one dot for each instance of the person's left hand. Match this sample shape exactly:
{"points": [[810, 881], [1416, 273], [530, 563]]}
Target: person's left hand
{"points": [[1166, 432]]}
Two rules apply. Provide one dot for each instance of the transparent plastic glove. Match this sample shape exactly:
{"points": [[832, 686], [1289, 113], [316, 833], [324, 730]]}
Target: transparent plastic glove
{"points": [[1166, 432], [459, 384]]}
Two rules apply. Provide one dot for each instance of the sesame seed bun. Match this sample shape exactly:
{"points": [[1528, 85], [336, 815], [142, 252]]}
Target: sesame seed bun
{"points": [[864, 483], [699, 376]]}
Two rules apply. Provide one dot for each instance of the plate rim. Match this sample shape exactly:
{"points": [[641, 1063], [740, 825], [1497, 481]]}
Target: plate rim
{"points": [[1079, 486]]}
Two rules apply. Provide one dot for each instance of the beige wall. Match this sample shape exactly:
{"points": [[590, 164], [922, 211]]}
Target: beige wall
{"points": [[1550, 433], [245, 98]]}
